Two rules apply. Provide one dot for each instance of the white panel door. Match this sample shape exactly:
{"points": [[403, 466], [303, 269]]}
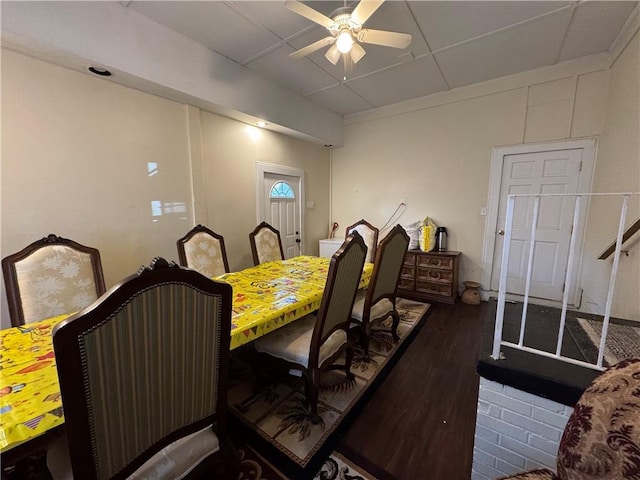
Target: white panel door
{"points": [[282, 211], [539, 172]]}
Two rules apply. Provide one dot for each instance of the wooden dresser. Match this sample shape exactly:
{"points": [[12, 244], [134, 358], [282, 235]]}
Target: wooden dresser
{"points": [[429, 276]]}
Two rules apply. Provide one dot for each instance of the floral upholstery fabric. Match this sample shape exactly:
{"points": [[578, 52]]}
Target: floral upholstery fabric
{"points": [[55, 280], [267, 246], [367, 235], [602, 437], [380, 309], [293, 342], [203, 253]]}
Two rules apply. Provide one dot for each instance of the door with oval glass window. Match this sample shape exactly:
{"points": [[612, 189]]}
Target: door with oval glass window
{"points": [[282, 205]]}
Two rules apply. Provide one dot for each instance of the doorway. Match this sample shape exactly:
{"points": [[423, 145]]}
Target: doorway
{"points": [[563, 167], [280, 197]]}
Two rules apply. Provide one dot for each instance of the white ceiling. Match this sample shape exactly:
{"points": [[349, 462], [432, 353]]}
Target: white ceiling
{"points": [[455, 43]]}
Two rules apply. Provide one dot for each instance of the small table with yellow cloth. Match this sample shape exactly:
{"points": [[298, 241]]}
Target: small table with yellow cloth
{"points": [[265, 297]]}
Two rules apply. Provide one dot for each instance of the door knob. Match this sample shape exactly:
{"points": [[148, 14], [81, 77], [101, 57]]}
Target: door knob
{"points": [[500, 232], [297, 240]]}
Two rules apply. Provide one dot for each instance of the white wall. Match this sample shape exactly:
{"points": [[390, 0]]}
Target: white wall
{"points": [[230, 152], [617, 169], [435, 153], [75, 154]]}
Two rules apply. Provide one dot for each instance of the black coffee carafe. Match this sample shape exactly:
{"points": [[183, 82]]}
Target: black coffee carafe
{"points": [[441, 239]]}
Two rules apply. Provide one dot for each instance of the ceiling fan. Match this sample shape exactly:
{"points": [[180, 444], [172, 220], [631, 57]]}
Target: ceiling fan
{"points": [[345, 27]]}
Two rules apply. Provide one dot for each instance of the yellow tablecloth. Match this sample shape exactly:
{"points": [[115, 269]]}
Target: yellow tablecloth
{"points": [[265, 298], [272, 294]]}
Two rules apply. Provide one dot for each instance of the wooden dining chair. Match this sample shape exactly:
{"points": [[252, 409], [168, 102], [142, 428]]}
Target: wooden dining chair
{"points": [[313, 343], [143, 378], [266, 245], [49, 277], [370, 235], [378, 301], [203, 250]]}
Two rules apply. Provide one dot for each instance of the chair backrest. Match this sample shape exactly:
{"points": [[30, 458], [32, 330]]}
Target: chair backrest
{"points": [[370, 235], [144, 366], [602, 437], [265, 244], [343, 278], [386, 267], [203, 250], [52, 276]]}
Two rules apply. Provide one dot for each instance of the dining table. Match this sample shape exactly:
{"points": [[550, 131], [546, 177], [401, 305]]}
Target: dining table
{"points": [[265, 298]]}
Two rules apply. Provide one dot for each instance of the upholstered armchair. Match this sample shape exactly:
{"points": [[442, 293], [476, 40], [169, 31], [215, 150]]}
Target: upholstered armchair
{"points": [[601, 440], [370, 235], [143, 375], [50, 277], [313, 343], [203, 250], [378, 301], [266, 245]]}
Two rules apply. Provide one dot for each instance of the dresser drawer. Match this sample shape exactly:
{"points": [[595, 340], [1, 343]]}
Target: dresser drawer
{"points": [[410, 259], [407, 283], [433, 261], [407, 271], [434, 275], [434, 288]]}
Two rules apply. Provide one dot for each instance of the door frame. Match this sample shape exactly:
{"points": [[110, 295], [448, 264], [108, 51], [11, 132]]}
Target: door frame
{"points": [[585, 179], [262, 169]]}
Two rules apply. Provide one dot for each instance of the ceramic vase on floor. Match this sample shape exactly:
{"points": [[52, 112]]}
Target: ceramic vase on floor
{"points": [[471, 295]]}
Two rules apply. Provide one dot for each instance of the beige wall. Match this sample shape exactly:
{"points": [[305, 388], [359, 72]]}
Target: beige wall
{"points": [[617, 169], [75, 154], [230, 151], [436, 154]]}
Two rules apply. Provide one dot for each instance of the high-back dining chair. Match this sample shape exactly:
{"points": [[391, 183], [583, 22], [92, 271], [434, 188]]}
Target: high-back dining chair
{"points": [[370, 235], [313, 343], [143, 375], [49, 277], [203, 250], [378, 301], [266, 245]]}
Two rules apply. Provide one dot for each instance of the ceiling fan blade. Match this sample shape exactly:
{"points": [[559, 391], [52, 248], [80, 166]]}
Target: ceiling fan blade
{"points": [[313, 47], [308, 12], [365, 9], [333, 54], [357, 52], [382, 37]]}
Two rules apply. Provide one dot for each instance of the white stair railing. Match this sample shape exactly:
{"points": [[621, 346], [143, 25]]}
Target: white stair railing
{"points": [[504, 267]]}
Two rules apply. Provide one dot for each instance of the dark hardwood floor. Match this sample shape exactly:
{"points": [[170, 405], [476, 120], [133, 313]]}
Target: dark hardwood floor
{"points": [[420, 422]]}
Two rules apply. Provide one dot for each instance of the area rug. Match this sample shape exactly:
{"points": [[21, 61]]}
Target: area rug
{"points": [[337, 467], [277, 417], [623, 341]]}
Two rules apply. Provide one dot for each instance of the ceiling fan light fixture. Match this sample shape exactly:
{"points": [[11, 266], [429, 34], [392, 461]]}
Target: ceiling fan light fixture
{"points": [[344, 42]]}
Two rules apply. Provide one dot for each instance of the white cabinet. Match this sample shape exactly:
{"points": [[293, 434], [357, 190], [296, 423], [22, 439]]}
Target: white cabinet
{"points": [[329, 246]]}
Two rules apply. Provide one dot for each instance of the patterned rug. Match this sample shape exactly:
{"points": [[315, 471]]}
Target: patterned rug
{"points": [[277, 419], [623, 341], [336, 467]]}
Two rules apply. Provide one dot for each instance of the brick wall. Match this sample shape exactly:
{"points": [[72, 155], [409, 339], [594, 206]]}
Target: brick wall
{"points": [[515, 431]]}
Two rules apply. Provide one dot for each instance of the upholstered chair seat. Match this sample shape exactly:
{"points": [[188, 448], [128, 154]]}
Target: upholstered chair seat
{"points": [[382, 308], [292, 342], [203, 250], [173, 462]]}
